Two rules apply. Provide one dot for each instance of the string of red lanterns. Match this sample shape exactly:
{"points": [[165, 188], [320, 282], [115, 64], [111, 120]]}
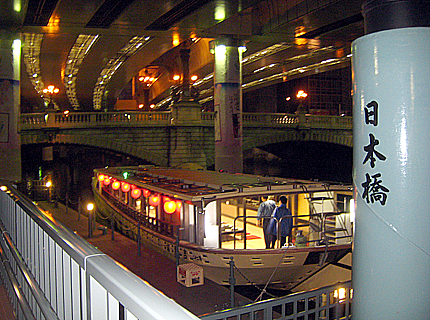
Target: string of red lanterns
{"points": [[125, 187], [170, 206], [154, 200], [116, 185], [136, 193]]}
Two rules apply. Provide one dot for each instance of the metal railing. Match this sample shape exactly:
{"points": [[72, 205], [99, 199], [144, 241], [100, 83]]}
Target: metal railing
{"points": [[324, 230], [52, 273], [328, 303], [160, 226]]}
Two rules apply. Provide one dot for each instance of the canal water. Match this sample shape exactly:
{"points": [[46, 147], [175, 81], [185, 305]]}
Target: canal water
{"points": [[302, 160], [71, 167]]}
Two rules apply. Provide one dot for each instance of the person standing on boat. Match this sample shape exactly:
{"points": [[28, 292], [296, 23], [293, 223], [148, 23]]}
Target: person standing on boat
{"points": [[265, 210], [283, 215]]}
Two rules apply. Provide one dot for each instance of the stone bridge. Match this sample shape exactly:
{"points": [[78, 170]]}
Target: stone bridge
{"points": [[166, 139]]}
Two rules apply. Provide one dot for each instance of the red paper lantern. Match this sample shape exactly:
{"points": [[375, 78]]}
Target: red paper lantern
{"points": [[154, 200], [106, 181], [169, 207], [178, 206], [146, 193], [116, 185], [125, 187], [136, 193], [101, 177]]}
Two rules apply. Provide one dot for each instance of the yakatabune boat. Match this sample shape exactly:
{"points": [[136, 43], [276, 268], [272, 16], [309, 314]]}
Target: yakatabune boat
{"points": [[209, 218]]}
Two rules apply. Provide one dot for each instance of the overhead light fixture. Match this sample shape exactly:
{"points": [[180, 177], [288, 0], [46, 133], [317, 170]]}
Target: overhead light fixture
{"points": [[77, 53], [31, 56], [114, 64]]}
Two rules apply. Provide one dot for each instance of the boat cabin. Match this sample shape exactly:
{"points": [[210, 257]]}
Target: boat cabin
{"points": [[219, 210]]}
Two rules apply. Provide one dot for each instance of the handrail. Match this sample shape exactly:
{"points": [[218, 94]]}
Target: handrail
{"points": [[40, 298], [75, 277], [278, 227], [279, 222], [331, 302], [163, 227], [7, 271]]}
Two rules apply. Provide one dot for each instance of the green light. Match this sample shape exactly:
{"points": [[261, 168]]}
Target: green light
{"points": [[125, 174], [220, 50], [220, 12], [17, 5]]}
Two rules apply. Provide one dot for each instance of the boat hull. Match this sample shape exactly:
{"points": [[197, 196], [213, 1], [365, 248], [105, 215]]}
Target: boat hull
{"points": [[287, 266]]}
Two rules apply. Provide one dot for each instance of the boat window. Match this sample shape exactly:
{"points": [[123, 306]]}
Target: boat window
{"points": [[152, 212], [343, 202], [238, 223]]}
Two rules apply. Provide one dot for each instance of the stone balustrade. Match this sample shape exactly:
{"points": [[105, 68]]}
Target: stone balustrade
{"points": [[164, 118], [172, 138]]}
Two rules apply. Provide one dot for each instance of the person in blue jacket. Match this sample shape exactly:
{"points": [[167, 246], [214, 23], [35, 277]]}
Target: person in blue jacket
{"points": [[264, 214], [286, 223]]}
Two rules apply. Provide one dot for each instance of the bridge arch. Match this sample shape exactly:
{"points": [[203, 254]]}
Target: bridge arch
{"points": [[156, 138], [253, 139], [99, 142]]}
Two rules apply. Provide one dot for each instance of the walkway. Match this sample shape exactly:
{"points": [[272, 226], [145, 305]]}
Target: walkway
{"points": [[6, 310], [151, 266]]}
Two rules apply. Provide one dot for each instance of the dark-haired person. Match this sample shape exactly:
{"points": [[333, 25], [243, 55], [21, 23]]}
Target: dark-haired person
{"points": [[282, 214]]}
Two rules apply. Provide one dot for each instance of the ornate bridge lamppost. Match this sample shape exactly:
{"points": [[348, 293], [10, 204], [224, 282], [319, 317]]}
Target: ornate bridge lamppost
{"points": [[301, 110], [145, 82], [50, 91], [301, 95]]}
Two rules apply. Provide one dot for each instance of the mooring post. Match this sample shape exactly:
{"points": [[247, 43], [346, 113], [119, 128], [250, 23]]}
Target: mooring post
{"points": [[67, 201], [79, 208], [231, 281], [177, 247], [90, 224], [111, 228], [138, 238]]}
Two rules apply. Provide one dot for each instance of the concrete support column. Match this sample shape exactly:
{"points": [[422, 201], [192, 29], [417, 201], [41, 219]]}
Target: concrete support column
{"points": [[391, 72], [185, 58], [10, 145], [228, 105]]}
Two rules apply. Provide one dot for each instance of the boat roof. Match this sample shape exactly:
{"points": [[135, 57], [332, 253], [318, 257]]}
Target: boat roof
{"points": [[194, 185]]}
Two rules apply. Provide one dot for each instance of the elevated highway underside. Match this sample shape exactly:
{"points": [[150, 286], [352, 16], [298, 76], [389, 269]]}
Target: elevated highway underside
{"points": [[92, 50]]}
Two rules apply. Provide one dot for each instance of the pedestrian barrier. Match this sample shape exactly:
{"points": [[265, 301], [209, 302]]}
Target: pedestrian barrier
{"points": [[51, 273]]}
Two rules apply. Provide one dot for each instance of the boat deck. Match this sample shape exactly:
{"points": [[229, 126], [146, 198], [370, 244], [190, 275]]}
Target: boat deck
{"points": [[254, 235], [151, 266]]}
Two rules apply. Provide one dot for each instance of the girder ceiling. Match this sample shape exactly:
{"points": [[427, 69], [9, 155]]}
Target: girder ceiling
{"points": [[93, 48]]}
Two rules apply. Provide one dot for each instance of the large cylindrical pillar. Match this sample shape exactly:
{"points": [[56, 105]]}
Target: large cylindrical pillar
{"points": [[391, 84], [10, 144], [228, 105]]}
